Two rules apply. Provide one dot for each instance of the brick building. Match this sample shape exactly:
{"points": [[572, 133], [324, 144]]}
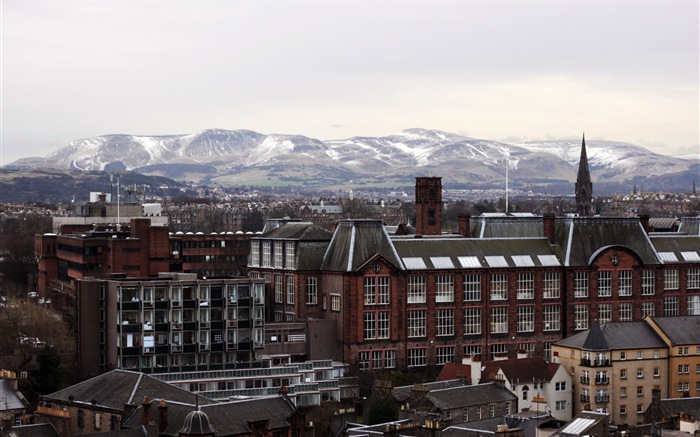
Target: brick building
{"points": [[502, 285]]}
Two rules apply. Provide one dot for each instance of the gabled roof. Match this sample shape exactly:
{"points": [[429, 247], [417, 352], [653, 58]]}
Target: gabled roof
{"points": [[617, 336], [357, 241], [680, 330], [118, 387], [507, 227], [579, 238], [470, 395], [673, 407], [674, 249], [582, 423], [452, 371], [10, 399], [227, 418], [524, 369], [303, 231], [595, 341]]}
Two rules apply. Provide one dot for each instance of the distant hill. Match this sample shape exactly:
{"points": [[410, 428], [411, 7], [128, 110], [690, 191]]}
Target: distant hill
{"points": [[244, 157]]}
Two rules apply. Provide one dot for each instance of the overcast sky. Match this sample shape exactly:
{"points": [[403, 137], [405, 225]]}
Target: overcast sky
{"points": [[501, 70]]}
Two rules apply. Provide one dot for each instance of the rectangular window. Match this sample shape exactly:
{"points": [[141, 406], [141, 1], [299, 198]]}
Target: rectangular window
{"points": [[376, 290], [648, 282], [693, 281], [526, 318], [472, 350], [417, 357], [552, 319], [640, 408], [526, 285], [671, 306], [255, 253], [499, 350], [694, 305], [444, 355], [551, 285], [376, 325], [581, 284], [445, 322], [671, 279], [648, 309], [640, 373], [623, 409], [499, 286], [560, 386], [416, 289], [640, 391], [289, 255], [581, 316], [290, 290], [335, 302], [604, 313], [624, 283], [312, 290], [279, 288], [267, 254], [624, 312], [416, 323], [499, 320], [472, 288], [604, 283], [278, 253], [377, 359], [444, 288], [472, 321]]}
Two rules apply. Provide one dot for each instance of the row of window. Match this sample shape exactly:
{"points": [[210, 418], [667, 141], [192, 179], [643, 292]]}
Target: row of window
{"points": [[276, 254], [671, 307]]}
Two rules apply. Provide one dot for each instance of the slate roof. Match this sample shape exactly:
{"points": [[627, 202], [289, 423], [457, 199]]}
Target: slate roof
{"points": [[33, 430], [581, 424], [680, 330], [118, 387], [673, 407], [473, 253], [452, 371], [227, 418], [617, 336], [310, 254], [677, 248], [524, 369], [303, 231], [136, 432], [487, 426], [595, 340], [507, 227], [690, 225], [580, 238], [404, 392], [355, 242], [11, 400], [470, 395]]}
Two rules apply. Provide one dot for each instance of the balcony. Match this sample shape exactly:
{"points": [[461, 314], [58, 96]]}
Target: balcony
{"points": [[595, 363], [585, 380], [585, 398], [603, 380], [602, 398]]}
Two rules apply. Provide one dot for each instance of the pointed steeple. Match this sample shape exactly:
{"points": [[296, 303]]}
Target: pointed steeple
{"points": [[595, 340], [584, 186]]}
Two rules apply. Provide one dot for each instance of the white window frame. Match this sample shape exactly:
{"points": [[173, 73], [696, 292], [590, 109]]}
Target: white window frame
{"points": [[499, 286], [417, 289], [671, 279], [472, 321], [624, 282], [551, 317], [526, 285], [444, 288], [444, 322], [312, 290], [604, 283], [551, 285], [580, 284], [648, 282], [472, 288], [499, 320], [416, 323], [526, 318]]}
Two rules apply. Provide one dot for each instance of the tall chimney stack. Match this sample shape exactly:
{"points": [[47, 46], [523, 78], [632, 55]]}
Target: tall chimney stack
{"points": [[428, 206]]}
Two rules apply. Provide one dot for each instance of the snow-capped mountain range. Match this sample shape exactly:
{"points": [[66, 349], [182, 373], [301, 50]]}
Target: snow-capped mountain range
{"points": [[247, 157]]}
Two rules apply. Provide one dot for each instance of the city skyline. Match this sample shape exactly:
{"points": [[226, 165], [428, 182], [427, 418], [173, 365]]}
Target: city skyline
{"points": [[507, 71]]}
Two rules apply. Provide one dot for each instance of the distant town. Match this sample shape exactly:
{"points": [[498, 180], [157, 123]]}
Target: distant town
{"points": [[435, 311]]}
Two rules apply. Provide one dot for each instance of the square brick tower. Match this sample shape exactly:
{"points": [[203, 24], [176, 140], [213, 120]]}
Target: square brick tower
{"points": [[428, 206]]}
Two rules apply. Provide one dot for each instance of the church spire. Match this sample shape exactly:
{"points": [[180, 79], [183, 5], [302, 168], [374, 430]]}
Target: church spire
{"points": [[584, 186]]}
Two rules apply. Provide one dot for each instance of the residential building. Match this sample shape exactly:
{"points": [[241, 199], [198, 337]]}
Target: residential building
{"points": [[14, 407], [681, 334], [615, 367]]}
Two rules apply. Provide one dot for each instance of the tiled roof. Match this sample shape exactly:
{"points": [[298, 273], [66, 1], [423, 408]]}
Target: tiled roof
{"points": [[118, 387], [470, 395], [617, 336], [681, 330], [452, 371], [525, 369], [580, 238]]}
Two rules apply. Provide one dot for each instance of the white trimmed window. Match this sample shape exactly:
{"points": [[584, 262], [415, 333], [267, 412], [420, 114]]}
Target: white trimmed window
{"points": [[604, 313], [417, 357], [648, 282], [278, 254], [335, 302], [604, 283], [694, 305], [376, 290], [526, 285], [444, 288], [378, 359], [444, 354], [693, 281], [624, 283], [376, 325], [581, 284], [526, 318], [445, 322], [416, 289], [671, 306], [472, 288], [472, 350], [624, 312], [499, 350], [472, 321], [648, 309], [255, 253], [416, 323], [289, 255], [552, 318], [499, 286], [290, 289], [311, 290], [551, 285], [279, 288], [499, 320], [267, 254], [671, 279], [581, 316]]}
